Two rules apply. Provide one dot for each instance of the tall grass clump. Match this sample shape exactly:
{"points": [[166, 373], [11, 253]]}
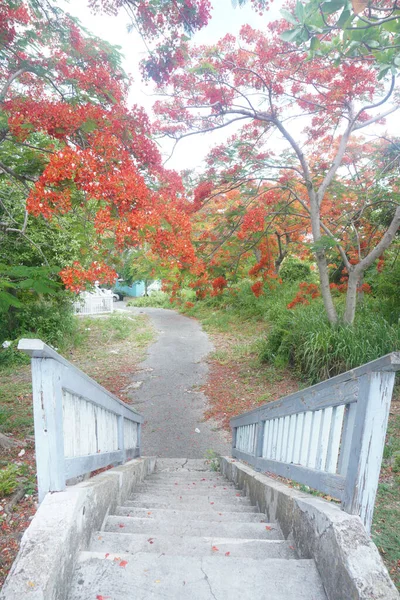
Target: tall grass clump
{"points": [[304, 339], [155, 299]]}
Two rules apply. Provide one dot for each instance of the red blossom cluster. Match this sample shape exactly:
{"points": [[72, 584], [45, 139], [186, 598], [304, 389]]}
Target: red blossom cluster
{"points": [[307, 292], [76, 278], [218, 285], [99, 153], [257, 288]]}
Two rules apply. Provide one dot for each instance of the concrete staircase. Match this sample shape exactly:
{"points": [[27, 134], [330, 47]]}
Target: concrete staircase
{"points": [[189, 533]]}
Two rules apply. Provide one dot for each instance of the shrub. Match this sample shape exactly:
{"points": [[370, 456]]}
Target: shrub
{"points": [[294, 269], [51, 320], [305, 339], [8, 480], [11, 356], [156, 300]]}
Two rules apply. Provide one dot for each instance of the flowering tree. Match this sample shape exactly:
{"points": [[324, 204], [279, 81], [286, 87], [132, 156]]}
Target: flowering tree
{"points": [[63, 97], [268, 83], [164, 25]]}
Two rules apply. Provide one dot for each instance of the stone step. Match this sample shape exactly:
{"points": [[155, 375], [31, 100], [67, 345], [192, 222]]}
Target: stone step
{"points": [[175, 500], [187, 526], [190, 483], [173, 545], [149, 576], [159, 514], [175, 490], [182, 465], [193, 505], [186, 476]]}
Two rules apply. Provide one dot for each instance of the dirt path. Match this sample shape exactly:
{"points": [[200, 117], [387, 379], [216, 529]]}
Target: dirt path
{"points": [[168, 390]]}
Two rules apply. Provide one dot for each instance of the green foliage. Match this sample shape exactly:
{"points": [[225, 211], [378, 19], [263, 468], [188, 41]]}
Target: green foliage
{"points": [[51, 319], [10, 357], [5, 414], [386, 286], [213, 459], [47, 317], [293, 269], [155, 299], [14, 476], [304, 338], [17, 278], [8, 480], [332, 27]]}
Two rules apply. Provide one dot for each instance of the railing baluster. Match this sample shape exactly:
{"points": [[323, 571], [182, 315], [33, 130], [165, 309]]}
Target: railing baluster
{"points": [[329, 436], [334, 439], [267, 429], [314, 438], [323, 438], [292, 432], [297, 438]]}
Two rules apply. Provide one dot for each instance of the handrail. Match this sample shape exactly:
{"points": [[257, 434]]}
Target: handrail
{"points": [[329, 436], [79, 425]]}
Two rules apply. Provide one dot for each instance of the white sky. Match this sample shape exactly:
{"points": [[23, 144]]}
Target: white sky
{"points": [[189, 152]]}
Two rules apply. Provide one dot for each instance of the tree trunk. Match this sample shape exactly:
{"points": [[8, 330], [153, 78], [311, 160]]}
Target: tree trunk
{"points": [[351, 299], [321, 258], [325, 289]]}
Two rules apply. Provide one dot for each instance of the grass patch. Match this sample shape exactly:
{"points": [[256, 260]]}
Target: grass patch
{"points": [[386, 522], [14, 476], [155, 299]]}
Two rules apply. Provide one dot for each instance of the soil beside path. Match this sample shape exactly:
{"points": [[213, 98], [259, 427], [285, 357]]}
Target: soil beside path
{"points": [[168, 394]]}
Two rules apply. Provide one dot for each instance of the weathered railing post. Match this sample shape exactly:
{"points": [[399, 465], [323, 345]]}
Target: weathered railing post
{"points": [[368, 441], [48, 421], [79, 425]]}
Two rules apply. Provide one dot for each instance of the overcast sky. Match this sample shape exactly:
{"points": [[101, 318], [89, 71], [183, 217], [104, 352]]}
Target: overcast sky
{"points": [[189, 152], [225, 19]]}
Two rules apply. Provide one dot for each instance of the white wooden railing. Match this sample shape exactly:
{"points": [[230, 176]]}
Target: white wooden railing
{"points": [[79, 425], [329, 437], [93, 304]]}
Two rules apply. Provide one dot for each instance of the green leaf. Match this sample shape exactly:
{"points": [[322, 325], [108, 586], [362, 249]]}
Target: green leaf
{"points": [[392, 26], [204, 68], [7, 300], [288, 16], [290, 35], [299, 11], [315, 43], [329, 8], [89, 126], [345, 19], [383, 71]]}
